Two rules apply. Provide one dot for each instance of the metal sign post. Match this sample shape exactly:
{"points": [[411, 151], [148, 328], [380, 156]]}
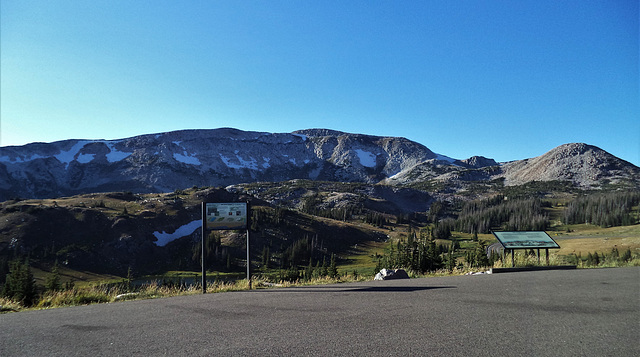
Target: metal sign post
{"points": [[202, 252], [248, 251], [248, 261]]}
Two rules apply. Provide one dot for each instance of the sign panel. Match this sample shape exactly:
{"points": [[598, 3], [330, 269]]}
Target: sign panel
{"points": [[226, 215], [526, 240]]}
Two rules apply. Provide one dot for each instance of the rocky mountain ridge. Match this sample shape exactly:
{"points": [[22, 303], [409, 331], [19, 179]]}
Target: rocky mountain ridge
{"points": [[165, 162]]}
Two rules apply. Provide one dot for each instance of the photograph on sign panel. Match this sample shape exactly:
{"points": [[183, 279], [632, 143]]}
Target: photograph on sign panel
{"points": [[226, 215]]}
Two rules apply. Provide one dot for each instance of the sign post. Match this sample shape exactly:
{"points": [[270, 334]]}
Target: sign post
{"points": [[248, 261], [224, 216], [202, 251]]}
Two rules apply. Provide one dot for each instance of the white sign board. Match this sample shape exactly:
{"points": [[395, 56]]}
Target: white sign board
{"points": [[226, 215]]}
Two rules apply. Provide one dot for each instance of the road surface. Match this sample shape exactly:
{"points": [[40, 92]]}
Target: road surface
{"points": [[594, 312]]}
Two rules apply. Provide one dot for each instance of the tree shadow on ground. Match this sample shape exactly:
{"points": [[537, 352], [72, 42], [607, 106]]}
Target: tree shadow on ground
{"points": [[369, 288]]}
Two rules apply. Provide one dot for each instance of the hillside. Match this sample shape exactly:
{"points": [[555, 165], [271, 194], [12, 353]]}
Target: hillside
{"points": [[112, 232], [165, 162]]}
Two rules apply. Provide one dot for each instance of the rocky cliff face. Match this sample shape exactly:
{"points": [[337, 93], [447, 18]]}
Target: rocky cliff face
{"points": [[175, 160]]}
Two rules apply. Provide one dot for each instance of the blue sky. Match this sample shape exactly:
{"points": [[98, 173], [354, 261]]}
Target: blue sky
{"points": [[502, 79]]}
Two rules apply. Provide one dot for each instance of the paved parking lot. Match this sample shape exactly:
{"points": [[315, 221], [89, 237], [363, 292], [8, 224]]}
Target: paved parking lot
{"points": [[592, 312]]}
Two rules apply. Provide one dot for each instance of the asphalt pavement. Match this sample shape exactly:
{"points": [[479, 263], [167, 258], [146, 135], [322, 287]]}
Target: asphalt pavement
{"points": [[585, 312]]}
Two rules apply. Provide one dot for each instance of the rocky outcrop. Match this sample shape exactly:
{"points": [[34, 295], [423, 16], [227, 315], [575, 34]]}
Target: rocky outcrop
{"points": [[391, 274], [476, 162]]}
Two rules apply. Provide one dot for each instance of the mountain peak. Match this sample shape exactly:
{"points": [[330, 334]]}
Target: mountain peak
{"points": [[584, 165], [477, 162]]}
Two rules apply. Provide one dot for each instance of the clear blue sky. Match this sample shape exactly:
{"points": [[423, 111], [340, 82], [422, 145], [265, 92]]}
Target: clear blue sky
{"points": [[502, 79]]}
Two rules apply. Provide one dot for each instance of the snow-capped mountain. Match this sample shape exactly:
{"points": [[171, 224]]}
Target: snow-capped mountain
{"points": [[168, 161], [174, 160]]}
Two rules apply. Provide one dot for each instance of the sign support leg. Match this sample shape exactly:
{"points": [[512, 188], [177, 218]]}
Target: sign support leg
{"points": [[547, 251], [202, 252], [513, 259], [248, 261]]}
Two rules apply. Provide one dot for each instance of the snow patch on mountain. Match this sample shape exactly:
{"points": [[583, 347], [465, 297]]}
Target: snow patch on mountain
{"points": [[250, 164], [85, 158], [183, 231], [65, 157], [241, 163], [73, 154], [302, 136], [187, 159], [367, 159], [114, 155], [228, 162]]}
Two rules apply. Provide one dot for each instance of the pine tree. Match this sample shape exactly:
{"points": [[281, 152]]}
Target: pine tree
{"points": [[20, 284], [325, 269], [4, 268], [451, 260], [53, 280], [318, 270], [333, 269], [266, 257], [129, 279], [481, 255], [308, 273]]}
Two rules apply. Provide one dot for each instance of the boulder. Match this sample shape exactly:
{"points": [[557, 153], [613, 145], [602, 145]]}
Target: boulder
{"points": [[389, 274]]}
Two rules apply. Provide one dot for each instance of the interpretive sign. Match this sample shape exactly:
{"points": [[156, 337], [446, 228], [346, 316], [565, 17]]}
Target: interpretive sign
{"points": [[526, 240], [226, 215]]}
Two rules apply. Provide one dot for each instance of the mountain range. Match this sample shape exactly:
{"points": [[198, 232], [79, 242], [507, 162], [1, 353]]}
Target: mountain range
{"points": [[174, 160]]}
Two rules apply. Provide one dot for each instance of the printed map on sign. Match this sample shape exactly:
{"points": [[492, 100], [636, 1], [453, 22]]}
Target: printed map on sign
{"points": [[526, 240], [226, 215]]}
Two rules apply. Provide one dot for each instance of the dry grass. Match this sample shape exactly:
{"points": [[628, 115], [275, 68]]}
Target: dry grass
{"points": [[7, 305], [597, 244], [526, 260], [111, 293]]}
